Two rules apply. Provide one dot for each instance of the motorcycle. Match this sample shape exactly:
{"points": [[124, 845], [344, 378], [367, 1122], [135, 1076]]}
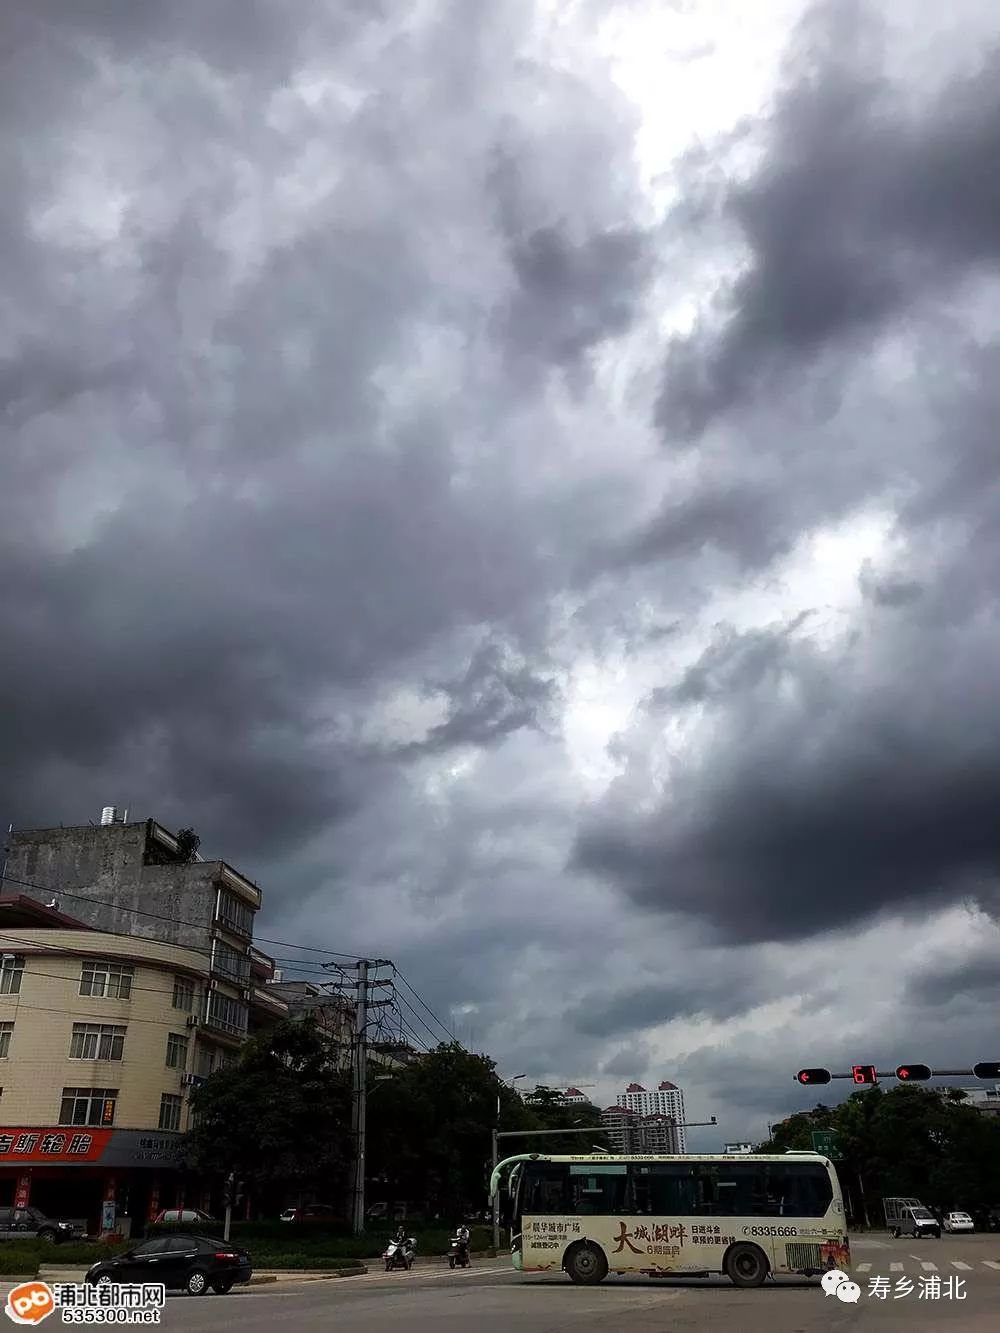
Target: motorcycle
{"points": [[458, 1254], [399, 1253]]}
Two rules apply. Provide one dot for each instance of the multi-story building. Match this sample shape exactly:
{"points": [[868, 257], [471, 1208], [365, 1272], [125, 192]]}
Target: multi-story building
{"points": [[127, 976], [983, 1099], [666, 1100], [621, 1127], [630, 1132]]}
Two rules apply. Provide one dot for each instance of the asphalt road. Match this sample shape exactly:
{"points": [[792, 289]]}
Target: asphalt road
{"points": [[493, 1299]]}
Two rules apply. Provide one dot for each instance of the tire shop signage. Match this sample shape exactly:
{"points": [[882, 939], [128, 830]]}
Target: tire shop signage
{"points": [[79, 1147], [87, 1147]]}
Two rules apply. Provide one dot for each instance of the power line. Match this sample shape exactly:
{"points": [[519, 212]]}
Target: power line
{"points": [[158, 916], [301, 964], [443, 1026], [68, 952]]}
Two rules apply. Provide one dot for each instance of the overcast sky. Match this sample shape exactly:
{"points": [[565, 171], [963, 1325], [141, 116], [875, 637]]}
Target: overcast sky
{"points": [[521, 480]]}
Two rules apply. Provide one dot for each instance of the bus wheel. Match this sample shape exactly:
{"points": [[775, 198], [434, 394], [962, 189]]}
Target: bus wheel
{"points": [[746, 1266], [586, 1264]]}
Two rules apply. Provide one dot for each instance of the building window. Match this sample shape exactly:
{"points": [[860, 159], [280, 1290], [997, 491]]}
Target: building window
{"points": [[226, 1013], [170, 1111], [11, 972], [112, 981], [5, 1030], [177, 1051], [235, 915], [183, 994], [97, 1041], [229, 962], [206, 1061], [88, 1106]]}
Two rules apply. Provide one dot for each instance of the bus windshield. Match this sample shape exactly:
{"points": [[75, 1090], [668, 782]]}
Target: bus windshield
{"points": [[748, 1216]]}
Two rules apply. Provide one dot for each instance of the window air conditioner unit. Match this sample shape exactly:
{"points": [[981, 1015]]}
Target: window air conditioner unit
{"points": [[188, 1080], [192, 1020]]}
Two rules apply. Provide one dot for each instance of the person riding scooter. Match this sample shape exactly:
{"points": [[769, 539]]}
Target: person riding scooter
{"points": [[458, 1256], [400, 1251]]}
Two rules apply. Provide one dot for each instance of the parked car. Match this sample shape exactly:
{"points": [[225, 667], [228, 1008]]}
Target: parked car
{"points": [[379, 1212], [311, 1212], [958, 1222], [31, 1223], [184, 1217], [192, 1263]]}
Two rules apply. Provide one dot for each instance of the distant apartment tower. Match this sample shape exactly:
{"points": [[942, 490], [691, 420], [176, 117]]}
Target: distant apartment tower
{"points": [[621, 1127], [666, 1101], [628, 1132]]}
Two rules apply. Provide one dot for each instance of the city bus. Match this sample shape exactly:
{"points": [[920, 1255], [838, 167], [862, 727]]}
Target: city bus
{"points": [[750, 1216]]}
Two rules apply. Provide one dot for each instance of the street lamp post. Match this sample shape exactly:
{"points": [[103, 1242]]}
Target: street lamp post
{"points": [[508, 1083]]}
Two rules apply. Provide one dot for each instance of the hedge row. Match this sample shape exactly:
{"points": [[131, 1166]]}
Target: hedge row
{"points": [[281, 1238]]}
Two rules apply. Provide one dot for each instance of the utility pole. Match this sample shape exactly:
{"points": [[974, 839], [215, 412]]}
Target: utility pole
{"points": [[359, 1104], [359, 1101]]}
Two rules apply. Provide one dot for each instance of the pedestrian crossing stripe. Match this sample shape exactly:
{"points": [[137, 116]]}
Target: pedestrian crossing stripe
{"points": [[929, 1267]]}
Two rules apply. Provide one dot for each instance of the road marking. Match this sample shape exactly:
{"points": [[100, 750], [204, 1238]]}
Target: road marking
{"points": [[991, 1263], [895, 1268], [957, 1263], [927, 1266], [863, 1268]]}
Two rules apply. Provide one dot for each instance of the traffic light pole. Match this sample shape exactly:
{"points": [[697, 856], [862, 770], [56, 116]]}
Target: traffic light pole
{"points": [[868, 1075]]}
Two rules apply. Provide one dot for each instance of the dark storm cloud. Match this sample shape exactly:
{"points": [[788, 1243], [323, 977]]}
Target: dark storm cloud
{"points": [[977, 980], [888, 590], [236, 503], [496, 697], [861, 206], [744, 519], [857, 786], [719, 996], [572, 297]]}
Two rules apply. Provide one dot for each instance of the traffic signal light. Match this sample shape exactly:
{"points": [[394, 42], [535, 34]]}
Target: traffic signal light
{"points": [[913, 1073], [991, 1069], [864, 1074], [813, 1076]]}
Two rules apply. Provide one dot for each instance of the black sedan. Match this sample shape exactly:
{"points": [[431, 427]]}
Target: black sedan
{"points": [[180, 1262]]}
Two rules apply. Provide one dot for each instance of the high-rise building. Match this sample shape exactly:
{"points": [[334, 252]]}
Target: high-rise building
{"points": [[621, 1127], [667, 1100]]}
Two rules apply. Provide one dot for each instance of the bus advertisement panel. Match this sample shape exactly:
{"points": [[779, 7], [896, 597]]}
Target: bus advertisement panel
{"points": [[747, 1216]]}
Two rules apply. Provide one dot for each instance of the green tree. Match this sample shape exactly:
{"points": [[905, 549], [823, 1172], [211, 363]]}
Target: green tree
{"points": [[280, 1115], [550, 1110], [910, 1141]]}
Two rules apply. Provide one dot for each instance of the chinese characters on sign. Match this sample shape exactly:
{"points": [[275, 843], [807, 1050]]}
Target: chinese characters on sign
{"points": [[48, 1145], [652, 1239], [930, 1288], [550, 1235]]}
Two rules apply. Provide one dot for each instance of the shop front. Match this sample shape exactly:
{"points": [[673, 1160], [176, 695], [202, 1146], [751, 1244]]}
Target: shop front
{"points": [[115, 1181]]}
